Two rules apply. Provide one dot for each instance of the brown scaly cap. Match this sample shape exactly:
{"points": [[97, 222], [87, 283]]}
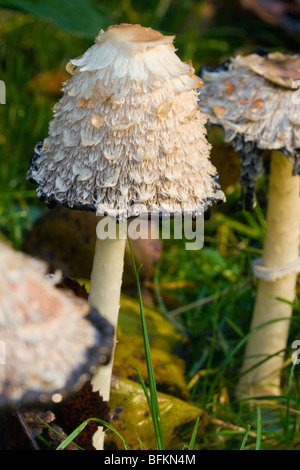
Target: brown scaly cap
{"points": [[127, 137], [253, 99], [52, 342]]}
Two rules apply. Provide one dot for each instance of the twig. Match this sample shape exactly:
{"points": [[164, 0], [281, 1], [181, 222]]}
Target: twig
{"points": [[27, 430], [232, 427]]}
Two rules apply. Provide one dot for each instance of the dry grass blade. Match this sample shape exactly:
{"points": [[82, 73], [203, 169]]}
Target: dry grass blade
{"points": [[231, 427], [204, 301]]}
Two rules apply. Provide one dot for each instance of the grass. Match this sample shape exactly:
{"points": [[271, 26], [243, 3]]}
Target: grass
{"points": [[207, 398], [244, 441], [151, 396], [72, 436], [208, 296], [258, 431], [80, 428]]}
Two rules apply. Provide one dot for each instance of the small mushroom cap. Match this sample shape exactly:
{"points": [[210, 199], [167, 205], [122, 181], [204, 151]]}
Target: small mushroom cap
{"points": [[254, 97], [127, 137], [50, 342]]}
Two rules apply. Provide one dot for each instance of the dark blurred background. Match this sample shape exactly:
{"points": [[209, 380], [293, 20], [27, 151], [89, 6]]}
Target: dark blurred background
{"points": [[38, 37]]}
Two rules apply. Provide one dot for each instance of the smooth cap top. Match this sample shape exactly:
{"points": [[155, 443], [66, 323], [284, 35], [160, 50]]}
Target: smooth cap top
{"points": [[133, 37]]}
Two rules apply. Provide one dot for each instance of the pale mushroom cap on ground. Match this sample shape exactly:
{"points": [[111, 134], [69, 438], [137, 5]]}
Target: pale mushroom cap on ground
{"points": [[253, 98], [127, 137], [50, 340]]}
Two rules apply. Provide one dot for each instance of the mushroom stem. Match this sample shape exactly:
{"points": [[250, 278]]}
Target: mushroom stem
{"points": [[105, 291], [281, 248]]}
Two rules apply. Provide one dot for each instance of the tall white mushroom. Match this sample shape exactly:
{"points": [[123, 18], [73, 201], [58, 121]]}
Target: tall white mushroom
{"points": [[253, 99], [127, 139]]}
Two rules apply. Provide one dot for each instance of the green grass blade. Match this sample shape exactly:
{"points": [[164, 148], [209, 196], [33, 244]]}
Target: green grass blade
{"points": [[205, 395], [287, 419], [258, 432], [296, 407], [144, 387], [154, 408], [259, 363], [240, 344], [55, 432], [244, 441], [80, 428], [194, 435], [43, 440], [141, 443]]}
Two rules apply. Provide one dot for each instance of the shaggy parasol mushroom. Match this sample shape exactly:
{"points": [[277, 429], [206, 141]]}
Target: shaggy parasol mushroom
{"points": [[127, 139], [253, 99], [52, 340]]}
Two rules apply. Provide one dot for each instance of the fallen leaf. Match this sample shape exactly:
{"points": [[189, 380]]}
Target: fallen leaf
{"points": [[132, 418], [169, 368]]}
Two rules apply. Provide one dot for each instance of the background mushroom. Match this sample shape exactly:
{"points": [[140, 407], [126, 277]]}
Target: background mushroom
{"points": [[253, 99], [127, 139], [52, 340]]}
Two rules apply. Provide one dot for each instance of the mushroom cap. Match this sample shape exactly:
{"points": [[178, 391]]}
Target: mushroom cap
{"points": [[254, 97], [127, 137], [50, 342]]}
